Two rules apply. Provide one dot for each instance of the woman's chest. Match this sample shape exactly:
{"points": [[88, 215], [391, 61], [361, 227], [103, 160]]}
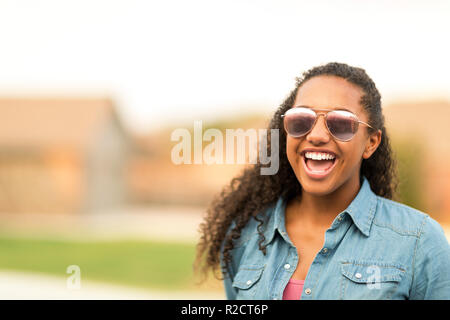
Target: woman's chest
{"points": [[306, 255], [307, 245]]}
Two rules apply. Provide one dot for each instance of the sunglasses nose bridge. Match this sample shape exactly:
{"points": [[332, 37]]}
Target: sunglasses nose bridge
{"points": [[318, 115], [317, 120]]}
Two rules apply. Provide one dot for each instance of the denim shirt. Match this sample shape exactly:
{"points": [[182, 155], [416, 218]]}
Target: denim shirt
{"points": [[375, 249]]}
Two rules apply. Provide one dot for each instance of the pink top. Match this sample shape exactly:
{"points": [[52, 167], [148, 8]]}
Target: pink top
{"points": [[293, 290]]}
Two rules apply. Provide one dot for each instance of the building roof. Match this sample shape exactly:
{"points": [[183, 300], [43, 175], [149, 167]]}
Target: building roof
{"points": [[53, 122]]}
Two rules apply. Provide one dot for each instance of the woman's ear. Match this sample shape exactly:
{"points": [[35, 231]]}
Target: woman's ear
{"points": [[372, 144]]}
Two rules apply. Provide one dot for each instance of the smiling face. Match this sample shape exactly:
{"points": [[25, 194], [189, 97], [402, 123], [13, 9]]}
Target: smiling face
{"points": [[330, 92]]}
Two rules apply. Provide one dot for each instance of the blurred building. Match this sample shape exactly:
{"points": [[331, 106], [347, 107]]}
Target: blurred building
{"points": [[154, 178], [61, 155]]}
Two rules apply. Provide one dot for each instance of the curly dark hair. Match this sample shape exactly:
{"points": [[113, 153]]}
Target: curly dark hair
{"points": [[251, 192]]}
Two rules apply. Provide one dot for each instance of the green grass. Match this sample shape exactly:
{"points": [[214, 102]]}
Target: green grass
{"points": [[135, 263]]}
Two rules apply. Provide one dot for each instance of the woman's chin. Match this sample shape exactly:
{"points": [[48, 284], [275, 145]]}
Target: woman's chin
{"points": [[316, 187], [317, 191]]}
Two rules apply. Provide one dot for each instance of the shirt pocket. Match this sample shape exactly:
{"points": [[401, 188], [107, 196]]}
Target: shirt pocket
{"points": [[247, 281], [370, 279]]}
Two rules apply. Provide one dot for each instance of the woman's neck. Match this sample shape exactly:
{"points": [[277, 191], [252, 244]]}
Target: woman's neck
{"points": [[320, 211]]}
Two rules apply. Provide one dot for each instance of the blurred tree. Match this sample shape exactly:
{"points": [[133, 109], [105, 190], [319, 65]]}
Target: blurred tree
{"points": [[409, 154]]}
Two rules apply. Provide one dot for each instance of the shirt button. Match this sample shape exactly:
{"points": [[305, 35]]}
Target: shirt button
{"points": [[308, 291], [287, 266], [325, 250], [358, 275], [340, 218], [249, 282]]}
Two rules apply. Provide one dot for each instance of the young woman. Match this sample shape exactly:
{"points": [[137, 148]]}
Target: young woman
{"points": [[326, 225]]}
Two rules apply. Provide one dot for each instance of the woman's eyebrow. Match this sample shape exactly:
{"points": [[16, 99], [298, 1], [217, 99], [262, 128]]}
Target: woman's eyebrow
{"points": [[331, 108]]}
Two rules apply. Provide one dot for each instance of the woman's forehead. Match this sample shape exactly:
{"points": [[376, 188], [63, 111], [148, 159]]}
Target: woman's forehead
{"points": [[330, 92]]}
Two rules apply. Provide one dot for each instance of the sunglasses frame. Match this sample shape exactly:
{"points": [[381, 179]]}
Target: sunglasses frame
{"points": [[325, 113]]}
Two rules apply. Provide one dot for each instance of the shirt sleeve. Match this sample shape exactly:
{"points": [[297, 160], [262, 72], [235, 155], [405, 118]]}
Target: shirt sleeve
{"points": [[431, 277]]}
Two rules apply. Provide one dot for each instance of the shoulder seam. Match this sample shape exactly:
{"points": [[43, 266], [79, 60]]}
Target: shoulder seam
{"points": [[419, 214], [402, 233]]}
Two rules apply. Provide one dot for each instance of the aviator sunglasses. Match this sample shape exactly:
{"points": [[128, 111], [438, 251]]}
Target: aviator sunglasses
{"points": [[341, 124]]}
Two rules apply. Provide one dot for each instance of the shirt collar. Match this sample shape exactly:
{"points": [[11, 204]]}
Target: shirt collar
{"points": [[361, 210]]}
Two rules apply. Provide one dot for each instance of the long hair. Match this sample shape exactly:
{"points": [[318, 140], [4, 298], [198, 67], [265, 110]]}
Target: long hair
{"points": [[250, 193]]}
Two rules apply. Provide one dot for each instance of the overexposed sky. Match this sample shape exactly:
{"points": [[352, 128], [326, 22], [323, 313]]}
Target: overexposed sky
{"points": [[176, 60]]}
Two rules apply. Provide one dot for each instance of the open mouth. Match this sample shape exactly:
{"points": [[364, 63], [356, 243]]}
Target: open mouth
{"points": [[318, 166]]}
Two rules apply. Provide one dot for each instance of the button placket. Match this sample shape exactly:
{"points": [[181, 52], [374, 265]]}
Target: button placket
{"points": [[319, 262]]}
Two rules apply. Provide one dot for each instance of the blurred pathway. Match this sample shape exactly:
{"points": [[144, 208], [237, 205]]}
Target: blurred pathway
{"points": [[29, 286]]}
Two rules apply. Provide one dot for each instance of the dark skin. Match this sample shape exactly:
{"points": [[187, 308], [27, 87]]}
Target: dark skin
{"points": [[310, 215]]}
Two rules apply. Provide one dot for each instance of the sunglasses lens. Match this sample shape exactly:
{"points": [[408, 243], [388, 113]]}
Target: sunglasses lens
{"points": [[342, 124], [298, 121]]}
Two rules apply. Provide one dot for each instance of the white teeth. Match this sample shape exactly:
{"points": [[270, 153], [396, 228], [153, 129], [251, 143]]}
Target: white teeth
{"points": [[319, 156]]}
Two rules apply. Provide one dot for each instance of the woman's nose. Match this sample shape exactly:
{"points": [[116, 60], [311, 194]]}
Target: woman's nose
{"points": [[319, 133]]}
